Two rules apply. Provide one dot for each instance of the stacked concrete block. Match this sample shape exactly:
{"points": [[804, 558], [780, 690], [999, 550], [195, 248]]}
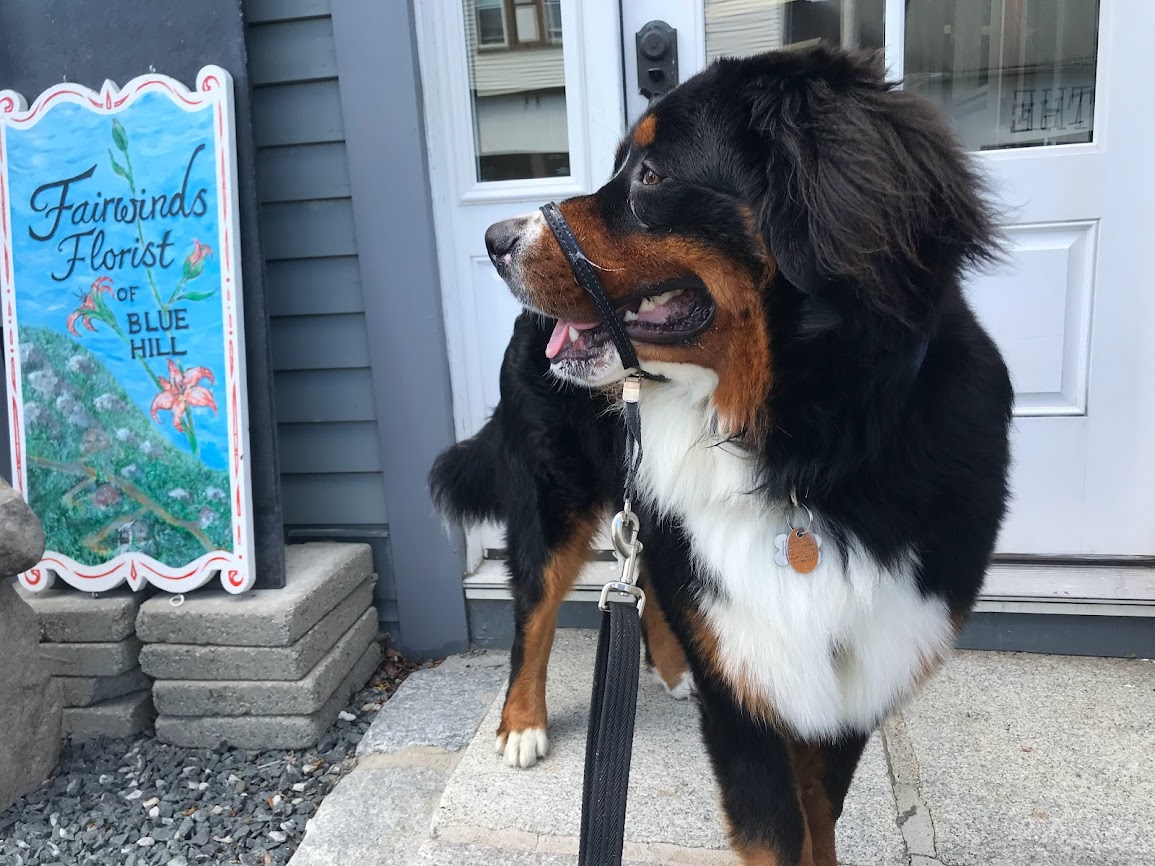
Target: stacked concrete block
{"points": [[89, 646], [269, 668]]}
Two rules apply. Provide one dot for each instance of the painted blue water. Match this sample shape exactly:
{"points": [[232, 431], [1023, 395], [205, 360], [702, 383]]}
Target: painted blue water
{"points": [[162, 139]]}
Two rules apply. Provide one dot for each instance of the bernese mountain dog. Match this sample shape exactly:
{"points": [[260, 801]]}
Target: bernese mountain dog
{"points": [[784, 237]]}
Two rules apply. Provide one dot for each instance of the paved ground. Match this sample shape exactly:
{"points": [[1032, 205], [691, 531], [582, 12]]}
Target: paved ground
{"points": [[1004, 760]]}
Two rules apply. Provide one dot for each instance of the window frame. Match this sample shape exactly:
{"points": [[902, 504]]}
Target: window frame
{"points": [[502, 7]]}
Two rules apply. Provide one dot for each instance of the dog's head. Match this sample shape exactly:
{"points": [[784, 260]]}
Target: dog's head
{"points": [[803, 171]]}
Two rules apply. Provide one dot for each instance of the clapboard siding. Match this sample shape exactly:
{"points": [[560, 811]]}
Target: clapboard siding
{"points": [[324, 396], [290, 51], [317, 499], [302, 172], [320, 342], [261, 11], [387, 614], [329, 447], [308, 229], [306, 113], [314, 287]]}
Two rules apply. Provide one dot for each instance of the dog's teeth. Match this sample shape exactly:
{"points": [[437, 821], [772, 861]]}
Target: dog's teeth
{"points": [[573, 334], [646, 305], [630, 316]]}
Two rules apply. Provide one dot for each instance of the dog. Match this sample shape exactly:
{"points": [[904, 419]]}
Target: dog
{"points": [[826, 450]]}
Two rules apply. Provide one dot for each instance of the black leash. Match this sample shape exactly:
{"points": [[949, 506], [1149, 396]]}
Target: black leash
{"points": [[614, 701]]}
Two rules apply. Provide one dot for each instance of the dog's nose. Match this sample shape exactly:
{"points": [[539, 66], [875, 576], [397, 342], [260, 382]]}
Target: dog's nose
{"points": [[501, 238]]}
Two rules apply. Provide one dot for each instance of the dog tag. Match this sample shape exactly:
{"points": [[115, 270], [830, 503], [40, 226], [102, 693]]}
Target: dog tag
{"points": [[799, 549]]}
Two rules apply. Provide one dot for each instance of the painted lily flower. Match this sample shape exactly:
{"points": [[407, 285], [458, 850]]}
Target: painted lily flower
{"points": [[91, 307], [180, 391], [195, 263]]}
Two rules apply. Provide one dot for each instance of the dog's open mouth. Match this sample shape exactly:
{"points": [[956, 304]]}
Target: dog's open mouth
{"points": [[671, 312]]}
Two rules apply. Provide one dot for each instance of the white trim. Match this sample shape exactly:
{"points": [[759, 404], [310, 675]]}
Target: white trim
{"points": [[894, 27], [1091, 589]]}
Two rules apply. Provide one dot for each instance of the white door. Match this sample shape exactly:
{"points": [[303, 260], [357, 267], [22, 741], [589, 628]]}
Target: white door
{"points": [[1051, 96], [523, 104]]}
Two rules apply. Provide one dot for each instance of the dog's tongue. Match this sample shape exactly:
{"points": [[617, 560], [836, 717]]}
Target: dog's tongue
{"points": [[560, 335]]}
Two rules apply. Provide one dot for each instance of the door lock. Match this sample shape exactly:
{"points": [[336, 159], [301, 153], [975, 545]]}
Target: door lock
{"points": [[657, 51]]}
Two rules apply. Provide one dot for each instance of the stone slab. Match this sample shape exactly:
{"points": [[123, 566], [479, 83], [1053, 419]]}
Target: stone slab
{"points": [[120, 717], [673, 798], [438, 707], [318, 576], [91, 659], [267, 732], [21, 535], [1038, 759], [30, 706], [376, 815], [70, 616], [269, 697], [183, 661], [86, 691]]}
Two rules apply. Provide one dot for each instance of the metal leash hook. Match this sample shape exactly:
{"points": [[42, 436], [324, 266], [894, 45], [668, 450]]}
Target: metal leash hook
{"points": [[624, 529]]}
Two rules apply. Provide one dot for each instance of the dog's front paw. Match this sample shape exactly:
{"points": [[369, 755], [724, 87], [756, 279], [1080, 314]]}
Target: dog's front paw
{"points": [[522, 748], [680, 689]]}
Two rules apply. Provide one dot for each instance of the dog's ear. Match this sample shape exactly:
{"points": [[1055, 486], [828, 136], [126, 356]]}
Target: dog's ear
{"points": [[865, 184]]}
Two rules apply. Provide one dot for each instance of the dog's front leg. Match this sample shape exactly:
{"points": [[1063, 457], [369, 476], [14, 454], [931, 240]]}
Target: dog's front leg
{"points": [[541, 576], [775, 816]]}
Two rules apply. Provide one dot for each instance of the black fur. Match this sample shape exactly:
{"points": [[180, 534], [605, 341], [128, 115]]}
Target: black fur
{"points": [[890, 405], [547, 456]]}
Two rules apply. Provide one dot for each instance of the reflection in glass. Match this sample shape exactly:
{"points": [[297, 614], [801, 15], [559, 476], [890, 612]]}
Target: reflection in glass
{"points": [[517, 81], [739, 28], [1009, 73]]}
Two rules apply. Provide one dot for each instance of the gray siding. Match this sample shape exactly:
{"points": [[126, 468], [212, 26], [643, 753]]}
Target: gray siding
{"points": [[329, 453]]}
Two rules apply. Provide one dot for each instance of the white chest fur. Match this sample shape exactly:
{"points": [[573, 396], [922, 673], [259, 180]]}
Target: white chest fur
{"points": [[829, 651]]}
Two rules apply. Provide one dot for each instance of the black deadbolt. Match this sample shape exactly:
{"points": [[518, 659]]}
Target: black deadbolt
{"points": [[657, 50]]}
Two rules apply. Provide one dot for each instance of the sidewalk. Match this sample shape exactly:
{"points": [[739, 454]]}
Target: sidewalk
{"points": [[1003, 760]]}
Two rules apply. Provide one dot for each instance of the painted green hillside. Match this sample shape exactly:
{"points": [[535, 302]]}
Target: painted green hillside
{"points": [[101, 477]]}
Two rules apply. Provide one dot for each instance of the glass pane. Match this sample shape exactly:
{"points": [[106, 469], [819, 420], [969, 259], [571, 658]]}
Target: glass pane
{"points": [[1009, 73], [517, 81], [739, 28]]}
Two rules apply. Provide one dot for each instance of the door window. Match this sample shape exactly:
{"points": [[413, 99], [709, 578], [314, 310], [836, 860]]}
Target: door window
{"points": [[1009, 73], [517, 85], [739, 28]]}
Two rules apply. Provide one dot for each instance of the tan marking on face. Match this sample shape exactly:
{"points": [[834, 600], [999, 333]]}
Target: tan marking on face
{"points": [[525, 705], [736, 346], [665, 651], [646, 131]]}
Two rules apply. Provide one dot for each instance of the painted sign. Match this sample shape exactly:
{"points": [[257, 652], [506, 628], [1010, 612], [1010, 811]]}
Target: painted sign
{"points": [[123, 339]]}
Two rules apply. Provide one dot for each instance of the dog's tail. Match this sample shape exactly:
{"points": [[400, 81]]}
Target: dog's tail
{"points": [[465, 480]]}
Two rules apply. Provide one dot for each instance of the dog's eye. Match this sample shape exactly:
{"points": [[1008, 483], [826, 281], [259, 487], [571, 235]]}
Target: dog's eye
{"points": [[650, 177]]}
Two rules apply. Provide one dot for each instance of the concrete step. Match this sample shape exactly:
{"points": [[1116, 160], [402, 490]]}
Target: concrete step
{"points": [[1003, 760]]}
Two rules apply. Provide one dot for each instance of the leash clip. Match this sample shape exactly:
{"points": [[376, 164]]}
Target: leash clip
{"points": [[615, 591], [628, 548]]}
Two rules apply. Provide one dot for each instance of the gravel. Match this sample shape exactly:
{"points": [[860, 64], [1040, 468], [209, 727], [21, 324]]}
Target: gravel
{"points": [[139, 802]]}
